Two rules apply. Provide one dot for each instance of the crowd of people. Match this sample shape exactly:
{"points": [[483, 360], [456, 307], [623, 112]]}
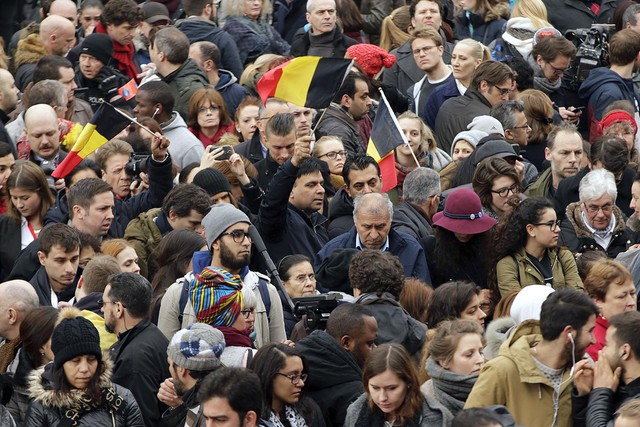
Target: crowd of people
{"points": [[229, 259]]}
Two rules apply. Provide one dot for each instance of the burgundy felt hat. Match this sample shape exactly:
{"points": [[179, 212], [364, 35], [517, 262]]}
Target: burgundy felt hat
{"points": [[463, 213]]}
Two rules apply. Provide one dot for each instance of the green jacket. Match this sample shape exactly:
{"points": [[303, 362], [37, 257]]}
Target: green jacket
{"points": [[513, 379], [517, 271], [144, 235], [540, 187]]}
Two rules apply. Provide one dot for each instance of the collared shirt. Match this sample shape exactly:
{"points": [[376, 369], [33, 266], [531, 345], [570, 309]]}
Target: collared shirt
{"points": [[384, 247], [602, 237]]}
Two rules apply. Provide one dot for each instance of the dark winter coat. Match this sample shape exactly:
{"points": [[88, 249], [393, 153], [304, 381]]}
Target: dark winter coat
{"points": [[456, 114], [435, 101], [301, 43], [340, 213], [232, 93], [411, 220], [252, 149], [483, 31], [338, 122], [335, 379], [11, 233], [571, 14], [183, 83]]}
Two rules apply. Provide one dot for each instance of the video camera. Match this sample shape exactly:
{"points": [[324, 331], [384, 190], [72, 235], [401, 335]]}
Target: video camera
{"points": [[137, 163], [317, 309], [593, 52]]}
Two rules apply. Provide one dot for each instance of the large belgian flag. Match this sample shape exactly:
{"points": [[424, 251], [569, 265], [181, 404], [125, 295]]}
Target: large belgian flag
{"points": [[386, 135], [105, 124], [308, 81]]}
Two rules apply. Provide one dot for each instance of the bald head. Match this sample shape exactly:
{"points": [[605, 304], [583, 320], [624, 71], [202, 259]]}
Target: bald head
{"points": [[8, 91], [43, 135], [17, 299], [39, 113], [65, 8], [57, 34]]}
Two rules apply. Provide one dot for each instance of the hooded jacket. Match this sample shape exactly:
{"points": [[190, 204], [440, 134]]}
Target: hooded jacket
{"points": [[338, 122], [517, 271], [232, 93], [340, 213], [575, 235], [456, 114], [601, 88], [199, 29], [183, 83], [496, 333], [49, 405], [514, 380], [185, 148], [542, 186], [144, 236], [516, 41], [335, 379]]}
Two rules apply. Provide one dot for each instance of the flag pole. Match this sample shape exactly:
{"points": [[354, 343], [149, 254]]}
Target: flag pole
{"points": [[132, 119], [395, 120], [313, 131]]}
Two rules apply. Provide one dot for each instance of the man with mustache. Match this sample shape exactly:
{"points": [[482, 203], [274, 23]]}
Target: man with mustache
{"points": [[43, 136]]}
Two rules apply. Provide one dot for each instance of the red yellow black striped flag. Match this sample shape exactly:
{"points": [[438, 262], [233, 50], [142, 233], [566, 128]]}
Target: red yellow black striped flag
{"points": [[105, 124], [308, 81], [386, 135]]}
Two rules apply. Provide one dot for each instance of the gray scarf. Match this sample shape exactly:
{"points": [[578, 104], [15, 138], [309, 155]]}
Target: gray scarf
{"points": [[449, 388], [540, 82]]}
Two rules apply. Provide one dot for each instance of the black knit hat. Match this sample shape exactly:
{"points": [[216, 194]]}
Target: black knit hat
{"points": [[212, 181], [99, 46], [74, 337]]}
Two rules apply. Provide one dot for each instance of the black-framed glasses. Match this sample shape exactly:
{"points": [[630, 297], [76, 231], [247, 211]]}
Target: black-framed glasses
{"points": [[238, 235], [504, 192], [524, 126], [553, 224], [295, 379], [102, 302], [503, 90], [594, 209], [557, 71], [247, 312], [334, 154]]}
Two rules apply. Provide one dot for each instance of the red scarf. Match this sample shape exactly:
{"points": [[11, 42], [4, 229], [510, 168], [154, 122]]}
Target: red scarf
{"points": [[234, 337], [206, 141], [123, 54]]}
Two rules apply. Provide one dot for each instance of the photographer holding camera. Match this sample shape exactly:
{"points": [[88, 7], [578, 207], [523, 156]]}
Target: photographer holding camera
{"points": [[607, 85]]}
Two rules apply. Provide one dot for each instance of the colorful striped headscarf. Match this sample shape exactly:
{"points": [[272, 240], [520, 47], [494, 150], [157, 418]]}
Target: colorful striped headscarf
{"points": [[216, 296]]}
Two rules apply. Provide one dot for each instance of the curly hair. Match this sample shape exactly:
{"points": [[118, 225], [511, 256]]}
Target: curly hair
{"points": [[373, 271], [118, 12]]}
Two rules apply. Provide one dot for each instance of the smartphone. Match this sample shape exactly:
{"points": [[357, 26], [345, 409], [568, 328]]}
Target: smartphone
{"points": [[576, 109], [227, 151]]}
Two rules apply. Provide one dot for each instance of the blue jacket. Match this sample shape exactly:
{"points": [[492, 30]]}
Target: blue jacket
{"points": [[484, 32], [437, 98], [231, 91], [402, 245], [603, 87]]}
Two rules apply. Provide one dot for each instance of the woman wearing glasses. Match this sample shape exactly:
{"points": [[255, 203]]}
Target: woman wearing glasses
{"points": [[528, 253], [331, 150], [495, 180], [299, 279], [283, 372], [208, 117]]}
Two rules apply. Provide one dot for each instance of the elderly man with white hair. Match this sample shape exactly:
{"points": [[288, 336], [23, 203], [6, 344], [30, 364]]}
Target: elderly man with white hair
{"points": [[372, 215], [595, 223]]}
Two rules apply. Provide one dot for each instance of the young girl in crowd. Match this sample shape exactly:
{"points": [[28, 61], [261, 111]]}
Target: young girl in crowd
{"points": [[495, 181], [456, 300]]}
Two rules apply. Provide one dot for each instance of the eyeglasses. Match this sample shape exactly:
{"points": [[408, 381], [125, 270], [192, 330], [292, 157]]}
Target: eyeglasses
{"points": [[333, 154], [503, 90], [551, 224], [211, 109], [295, 379], [504, 192], [524, 126], [424, 49], [557, 71], [595, 209], [238, 235], [247, 313], [101, 303]]}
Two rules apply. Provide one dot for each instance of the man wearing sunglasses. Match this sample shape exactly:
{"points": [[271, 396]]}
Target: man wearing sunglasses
{"points": [[491, 84]]}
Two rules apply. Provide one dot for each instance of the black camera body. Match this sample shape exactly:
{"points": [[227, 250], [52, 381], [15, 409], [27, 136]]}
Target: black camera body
{"points": [[316, 310], [137, 163], [593, 52]]}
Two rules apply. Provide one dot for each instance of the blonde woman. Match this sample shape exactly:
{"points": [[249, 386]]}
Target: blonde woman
{"points": [[395, 29], [528, 16], [262, 64], [465, 58]]}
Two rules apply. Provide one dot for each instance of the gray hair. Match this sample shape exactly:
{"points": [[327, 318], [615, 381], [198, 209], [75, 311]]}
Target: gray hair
{"points": [[311, 2], [629, 16], [263, 107], [375, 203], [420, 185], [50, 92], [596, 184], [505, 113], [236, 8], [249, 299], [173, 43]]}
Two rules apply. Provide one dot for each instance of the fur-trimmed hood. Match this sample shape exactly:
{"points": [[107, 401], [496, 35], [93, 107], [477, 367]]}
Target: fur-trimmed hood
{"points": [[40, 386], [502, 12], [497, 332], [30, 50], [634, 222], [574, 214]]}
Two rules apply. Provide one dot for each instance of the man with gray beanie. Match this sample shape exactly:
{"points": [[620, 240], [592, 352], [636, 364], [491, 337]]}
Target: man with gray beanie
{"points": [[193, 353], [227, 234]]}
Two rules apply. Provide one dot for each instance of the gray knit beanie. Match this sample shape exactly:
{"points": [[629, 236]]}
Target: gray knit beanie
{"points": [[220, 217], [197, 347]]}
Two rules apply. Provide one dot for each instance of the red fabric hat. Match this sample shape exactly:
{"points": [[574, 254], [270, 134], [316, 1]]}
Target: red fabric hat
{"points": [[371, 58], [463, 213], [617, 116]]}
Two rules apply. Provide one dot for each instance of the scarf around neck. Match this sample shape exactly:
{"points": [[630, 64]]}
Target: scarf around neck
{"points": [[292, 416], [450, 389]]}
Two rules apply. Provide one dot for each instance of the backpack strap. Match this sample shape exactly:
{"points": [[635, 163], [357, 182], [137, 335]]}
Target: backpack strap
{"points": [[184, 299], [266, 298]]}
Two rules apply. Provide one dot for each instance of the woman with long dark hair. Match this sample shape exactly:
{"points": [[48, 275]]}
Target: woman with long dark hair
{"points": [[462, 241], [78, 389], [455, 300], [527, 251], [392, 393], [283, 371]]}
